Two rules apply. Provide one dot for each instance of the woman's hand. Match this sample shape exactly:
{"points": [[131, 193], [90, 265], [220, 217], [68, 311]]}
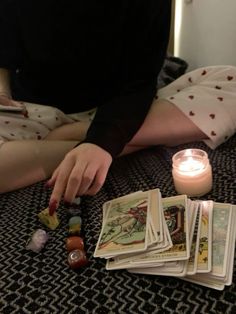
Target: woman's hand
{"points": [[82, 172], [8, 102]]}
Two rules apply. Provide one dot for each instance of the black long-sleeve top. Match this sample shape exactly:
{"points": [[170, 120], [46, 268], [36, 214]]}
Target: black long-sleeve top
{"points": [[83, 54]]}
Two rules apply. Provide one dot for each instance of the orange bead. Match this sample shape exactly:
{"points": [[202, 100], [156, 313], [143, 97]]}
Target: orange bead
{"points": [[73, 243], [77, 259]]}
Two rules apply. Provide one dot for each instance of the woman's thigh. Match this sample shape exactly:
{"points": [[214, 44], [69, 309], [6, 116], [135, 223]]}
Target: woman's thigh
{"points": [[23, 163], [165, 124]]}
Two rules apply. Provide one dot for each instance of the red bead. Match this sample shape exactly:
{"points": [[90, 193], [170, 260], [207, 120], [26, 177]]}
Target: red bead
{"points": [[77, 259], [73, 243]]}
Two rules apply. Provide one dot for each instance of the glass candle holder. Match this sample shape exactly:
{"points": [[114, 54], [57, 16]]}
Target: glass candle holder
{"points": [[192, 172]]}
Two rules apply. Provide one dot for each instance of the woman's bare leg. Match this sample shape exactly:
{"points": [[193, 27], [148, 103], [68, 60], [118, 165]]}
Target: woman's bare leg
{"points": [[165, 125], [23, 163], [26, 162], [69, 132]]}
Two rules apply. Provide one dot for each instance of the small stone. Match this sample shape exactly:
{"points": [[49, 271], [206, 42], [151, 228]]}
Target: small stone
{"points": [[37, 241], [75, 220], [77, 258], [51, 221], [73, 243]]}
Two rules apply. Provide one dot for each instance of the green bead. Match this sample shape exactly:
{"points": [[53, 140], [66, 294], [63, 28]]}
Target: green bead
{"points": [[76, 220]]}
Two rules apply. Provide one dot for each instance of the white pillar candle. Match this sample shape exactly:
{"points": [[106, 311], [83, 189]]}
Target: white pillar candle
{"points": [[192, 173]]}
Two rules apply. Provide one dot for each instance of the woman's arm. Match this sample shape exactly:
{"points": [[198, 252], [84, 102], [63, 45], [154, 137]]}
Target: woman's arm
{"points": [[146, 35], [84, 169], [5, 83], [5, 94]]}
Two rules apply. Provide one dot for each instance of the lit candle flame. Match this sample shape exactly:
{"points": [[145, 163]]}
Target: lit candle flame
{"points": [[191, 164]]}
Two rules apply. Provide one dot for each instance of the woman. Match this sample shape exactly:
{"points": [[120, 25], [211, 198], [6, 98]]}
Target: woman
{"points": [[116, 53], [76, 57]]}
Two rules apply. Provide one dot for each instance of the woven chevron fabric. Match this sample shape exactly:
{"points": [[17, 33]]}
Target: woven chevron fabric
{"points": [[43, 283]]}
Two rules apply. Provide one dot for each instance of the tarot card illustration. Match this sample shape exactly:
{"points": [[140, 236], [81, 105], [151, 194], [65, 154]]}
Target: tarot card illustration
{"points": [[125, 227]]}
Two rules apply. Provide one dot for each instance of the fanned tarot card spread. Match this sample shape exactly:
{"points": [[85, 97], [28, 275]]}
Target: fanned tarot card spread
{"points": [[51, 222], [125, 227], [193, 240]]}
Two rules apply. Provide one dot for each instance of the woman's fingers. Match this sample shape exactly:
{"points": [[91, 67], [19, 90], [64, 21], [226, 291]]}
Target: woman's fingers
{"points": [[75, 180], [83, 171], [60, 182], [8, 102], [98, 181]]}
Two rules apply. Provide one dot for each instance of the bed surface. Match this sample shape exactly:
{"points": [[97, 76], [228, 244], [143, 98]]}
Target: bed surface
{"points": [[43, 283]]}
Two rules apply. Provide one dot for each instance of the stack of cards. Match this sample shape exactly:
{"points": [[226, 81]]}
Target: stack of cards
{"points": [[174, 236]]}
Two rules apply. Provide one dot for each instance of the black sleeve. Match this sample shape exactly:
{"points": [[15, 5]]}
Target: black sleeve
{"points": [[146, 40], [10, 43]]}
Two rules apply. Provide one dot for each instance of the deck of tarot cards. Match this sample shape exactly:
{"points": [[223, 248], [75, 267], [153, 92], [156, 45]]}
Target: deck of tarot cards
{"points": [[174, 236]]}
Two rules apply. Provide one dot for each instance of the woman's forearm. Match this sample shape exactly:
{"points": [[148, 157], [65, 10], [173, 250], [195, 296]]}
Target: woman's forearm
{"points": [[5, 82]]}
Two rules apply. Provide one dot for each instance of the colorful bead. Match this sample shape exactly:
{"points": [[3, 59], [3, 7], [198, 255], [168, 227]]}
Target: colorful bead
{"points": [[77, 259], [73, 243], [74, 209], [75, 225], [75, 220]]}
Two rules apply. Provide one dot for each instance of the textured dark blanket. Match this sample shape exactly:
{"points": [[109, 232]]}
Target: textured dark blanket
{"points": [[43, 283]]}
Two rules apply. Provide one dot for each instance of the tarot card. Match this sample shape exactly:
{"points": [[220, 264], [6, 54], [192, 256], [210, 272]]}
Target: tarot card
{"points": [[192, 262], [222, 214], [112, 265], [125, 229], [192, 206], [105, 208], [176, 270], [204, 262], [209, 284], [166, 242], [228, 259], [155, 210], [230, 266], [144, 257], [216, 280], [106, 205], [176, 214], [150, 235]]}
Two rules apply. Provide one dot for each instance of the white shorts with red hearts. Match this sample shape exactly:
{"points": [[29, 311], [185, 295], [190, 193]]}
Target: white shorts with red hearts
{"points": [[207, 96]]}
